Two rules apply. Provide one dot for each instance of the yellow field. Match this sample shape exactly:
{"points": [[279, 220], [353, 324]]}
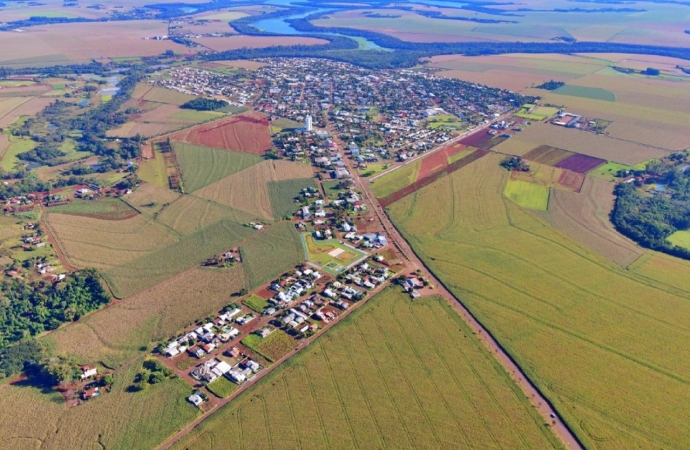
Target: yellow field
{"points": [[116, 420], [89, 242], [248, 191], [149, 198], [601, 342], [117, 334], [163, 95], [395, 374]]}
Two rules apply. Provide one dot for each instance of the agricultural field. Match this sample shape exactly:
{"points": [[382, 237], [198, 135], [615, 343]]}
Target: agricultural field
{"points": [[247, 133], [248, 190], [202, 166], [17, 145], [154, 171], [548, 176], [395, 180], [282, 195], [271, 253], [189, 214], [167, 96], [367, 383], [572, 319], [117, 334], [586, 92], [273, 347], [149, 199], [119, 419], [105, 209], [585, 218], [528, 195], [547, 155], [332, 256]]}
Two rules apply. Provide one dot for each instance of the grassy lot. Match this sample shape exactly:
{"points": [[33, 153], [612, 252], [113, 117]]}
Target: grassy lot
{"points": [[680, 238], [106, 98], [154, 171], [608, 171], [279, 125], [282, 195], [374, 169], [396, 180], [394, 374], [272, 253], [444, 121], [106, 208], [17, 145], [529, 195], [222, 387], [256, 303], [571, 318], [116, 420], [319, 253], [331, 189], [272, 347], [202, 166]]}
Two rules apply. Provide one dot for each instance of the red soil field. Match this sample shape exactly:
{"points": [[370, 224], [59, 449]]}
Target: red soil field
{"points": [[453, 149], [580, 163], [573, 180], [482, 139], [432, 164], [247, 133]]}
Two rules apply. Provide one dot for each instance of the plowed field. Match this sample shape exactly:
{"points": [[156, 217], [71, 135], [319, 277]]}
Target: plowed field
{"points": [[247, 133]]}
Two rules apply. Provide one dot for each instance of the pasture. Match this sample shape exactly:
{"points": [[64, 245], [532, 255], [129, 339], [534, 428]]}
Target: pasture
{"points": [[528, 195], [329, 254], [248, 190], [117, 420], [394, 374], [117, 334], [586, 331], [256, 303], [680, 238], [202, 166], [105, 209], [271, 253], [17, 145], [395, 180]]}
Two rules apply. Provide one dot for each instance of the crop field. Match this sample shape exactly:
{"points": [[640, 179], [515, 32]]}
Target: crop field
{"points": [[329, 254], [584, 217], [167, 96], [367, 384], [149, 198], [282, 195], [528, 195], [202, 166], [273, 347], [105, 209], [196, 116], [154, 171], [189, 214], [248, 190], [271, 253], [586, 92], [116, 420], [17, 145], [256, 303], [396, 180], [578, 141], [432, 164], [571, 318], [248, 133], [65, 42], [580, 163], [131, 129], [482, 139], [547, 155], [549, 176], [91, 242], [117, 334], [156, 266]]}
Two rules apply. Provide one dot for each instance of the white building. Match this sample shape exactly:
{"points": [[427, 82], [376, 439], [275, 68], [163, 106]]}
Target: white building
{"points": [[308, 125]]}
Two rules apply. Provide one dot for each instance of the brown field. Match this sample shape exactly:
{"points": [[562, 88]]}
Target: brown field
{"points": [[140, 89], [585, 218], [234, 42], [247, 133], [116, 334], [212, 26], [547, 155], [149, 198], [103, 244], [189, 214], [24, 91], [30, 108], [131, 129], [7, 106], [247, 190], [551, 177], [578, 141], [163, 95], [66, 42]]}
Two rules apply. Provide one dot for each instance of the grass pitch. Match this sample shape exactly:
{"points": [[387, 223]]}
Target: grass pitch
{"points": [[394, 374], [529, 195], [330, 255]]}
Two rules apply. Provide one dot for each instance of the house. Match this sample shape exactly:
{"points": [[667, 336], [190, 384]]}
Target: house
{"points": [[233, 352], [197, 351], [195, 399], [88, 372], [264, 332], [306, 214], [208, 348], [90, 393]]}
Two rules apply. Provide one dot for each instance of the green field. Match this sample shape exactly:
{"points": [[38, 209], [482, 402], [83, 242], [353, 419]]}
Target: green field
{"points": [[281, 124], [106, 208], [118, 420], [374, 169], [444, 121], [282, 195], [529, 195], [202, 166], [394, 374], [154, 171], [681, 239], [396, 180], [587, 332], [17, 145], [272, 253], [330, 187], [256, 303], [609, 170], [272, 347], [318, 252], [586, 92], [106, 98], [222, 387]]}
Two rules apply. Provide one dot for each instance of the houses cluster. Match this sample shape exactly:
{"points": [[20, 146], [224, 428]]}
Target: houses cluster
{"points": [[206, 338], [215, 368], [291, 288], [200, 82]]}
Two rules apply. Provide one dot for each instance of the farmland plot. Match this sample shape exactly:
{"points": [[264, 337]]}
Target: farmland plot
{"points": [[247, 133], [367, 384], [167, 96], [103, 244], [586, 332], [271, 253], [117, 334], [189, 214], [148, 198], [396, 180], [248, 190], [283, 193]]}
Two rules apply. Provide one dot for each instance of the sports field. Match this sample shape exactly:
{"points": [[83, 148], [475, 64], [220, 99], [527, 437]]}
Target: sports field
{"points": [[329, 254], [394, 374], [586, 331]]}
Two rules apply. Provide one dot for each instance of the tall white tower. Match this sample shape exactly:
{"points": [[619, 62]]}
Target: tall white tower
{"points": [[308, 124]]}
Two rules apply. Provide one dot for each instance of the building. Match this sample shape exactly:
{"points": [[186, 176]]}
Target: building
{"points": [[308, 125]]}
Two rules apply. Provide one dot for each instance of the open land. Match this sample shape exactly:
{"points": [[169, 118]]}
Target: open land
{"points": [[244, 133], [367, 383], [271, 253], [599, 323]]}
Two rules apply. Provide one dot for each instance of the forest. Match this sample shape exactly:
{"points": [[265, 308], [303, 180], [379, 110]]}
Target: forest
{"points": [[204, 104]]}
